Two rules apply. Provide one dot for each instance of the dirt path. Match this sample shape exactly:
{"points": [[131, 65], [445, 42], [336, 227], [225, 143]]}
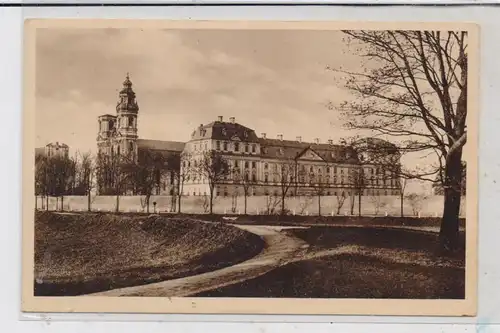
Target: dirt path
{"points": [[280, 250]]}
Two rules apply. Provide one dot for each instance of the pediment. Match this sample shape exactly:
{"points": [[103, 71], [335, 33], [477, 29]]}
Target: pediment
{"points": [[235, 138], [310, 155]]}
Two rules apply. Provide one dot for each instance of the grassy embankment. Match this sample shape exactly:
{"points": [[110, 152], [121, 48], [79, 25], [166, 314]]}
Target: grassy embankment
{"points": [[90, 252]]}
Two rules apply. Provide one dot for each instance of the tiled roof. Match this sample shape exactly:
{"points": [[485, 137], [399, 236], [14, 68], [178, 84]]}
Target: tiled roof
{"points": [[221, 130], [174, 146], [287, 149]]}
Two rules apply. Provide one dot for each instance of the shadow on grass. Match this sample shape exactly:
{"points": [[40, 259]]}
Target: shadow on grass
{"points": [[396, 263], [376, 237], [350, 276]]}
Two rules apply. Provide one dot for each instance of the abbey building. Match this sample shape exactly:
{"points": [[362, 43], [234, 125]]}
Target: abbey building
{"points": [[258, 164]]}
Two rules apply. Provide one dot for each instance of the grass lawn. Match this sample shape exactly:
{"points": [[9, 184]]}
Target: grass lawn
{"points": [[89, 252], [360, 262]]}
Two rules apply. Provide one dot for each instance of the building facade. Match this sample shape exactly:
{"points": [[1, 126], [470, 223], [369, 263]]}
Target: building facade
{"points": [[53, 149], [265, 166], [257, 165]]}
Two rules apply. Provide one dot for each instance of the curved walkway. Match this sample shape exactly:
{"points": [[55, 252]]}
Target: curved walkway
{"points": [[280, 249]]}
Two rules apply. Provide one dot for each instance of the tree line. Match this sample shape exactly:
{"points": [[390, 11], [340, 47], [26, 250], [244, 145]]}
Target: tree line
{"points": [[148, 173]]}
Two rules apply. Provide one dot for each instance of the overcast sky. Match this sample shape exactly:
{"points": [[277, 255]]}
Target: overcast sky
{"points": [[272, 81]]}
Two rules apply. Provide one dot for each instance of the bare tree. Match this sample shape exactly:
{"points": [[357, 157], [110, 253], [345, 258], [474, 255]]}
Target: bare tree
{"points": [[179, 167], [286, 173], [113, 175], [402, 187], [416, 202], [147, 173], [414, 86], [41, 180], [378, 203], [272, 201], [341, 196], [319, 184], [304, 202], [213, 167], [246, 182], [61, 172], [86, 177], [358, 182]]}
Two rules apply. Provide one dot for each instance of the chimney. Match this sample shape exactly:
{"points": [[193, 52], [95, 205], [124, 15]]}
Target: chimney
{"points": [[299, 139], [316, 141], [330, 142], [280, 137], [232, 119], [263, 135], [220, 118]]}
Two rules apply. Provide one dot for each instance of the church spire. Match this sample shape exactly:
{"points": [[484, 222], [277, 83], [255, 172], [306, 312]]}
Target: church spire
{"points": [[127, 101]]}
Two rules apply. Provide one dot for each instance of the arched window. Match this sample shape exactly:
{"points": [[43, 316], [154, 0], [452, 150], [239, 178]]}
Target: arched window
{"points": [[118, 150], [236, 146], [130, 146], [265, 166], [130, 121]]}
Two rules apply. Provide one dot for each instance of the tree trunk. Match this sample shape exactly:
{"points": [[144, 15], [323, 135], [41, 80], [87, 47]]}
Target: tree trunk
{"points": [[47, 202], [352, 198], [211, 199], [117, 207], [62, 203], [319, 205], [359, 203], [89, 208], [245, 207], [179, 203], [36, 202], [449, 232], [147, 203], [283, 204], [401, 198]]}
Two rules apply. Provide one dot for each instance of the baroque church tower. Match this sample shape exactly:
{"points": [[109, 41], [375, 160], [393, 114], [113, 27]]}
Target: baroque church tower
{"points": [[118, 133]]}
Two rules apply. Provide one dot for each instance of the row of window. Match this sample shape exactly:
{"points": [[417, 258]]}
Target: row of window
{"points": [[237, 146]]}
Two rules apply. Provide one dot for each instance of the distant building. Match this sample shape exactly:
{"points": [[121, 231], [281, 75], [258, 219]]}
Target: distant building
{"points": [[53, 149], [254, 158]]}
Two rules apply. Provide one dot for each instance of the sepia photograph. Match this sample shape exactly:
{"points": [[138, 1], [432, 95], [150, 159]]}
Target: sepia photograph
{"points": [[250, 167]]}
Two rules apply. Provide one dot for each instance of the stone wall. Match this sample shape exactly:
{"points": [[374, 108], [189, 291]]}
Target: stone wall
{"points": [[390, 205]]}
